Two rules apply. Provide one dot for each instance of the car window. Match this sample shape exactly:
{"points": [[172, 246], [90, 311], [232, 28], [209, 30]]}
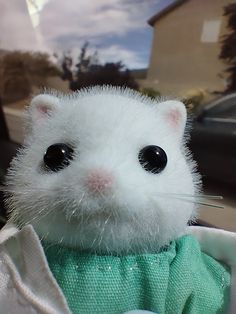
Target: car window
{"points": [[224, 109], [165, 49]]}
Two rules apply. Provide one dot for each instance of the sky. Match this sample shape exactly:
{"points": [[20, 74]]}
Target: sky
{"points": [[116, 29]]}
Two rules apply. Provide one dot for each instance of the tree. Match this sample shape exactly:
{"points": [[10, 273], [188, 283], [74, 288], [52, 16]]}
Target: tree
{"points": [[228, 48], [66, 68], [15, 80], [21, 70], [90, 72]]}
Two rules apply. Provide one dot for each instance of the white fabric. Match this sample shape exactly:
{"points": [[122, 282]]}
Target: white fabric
{"points": [[27, 285], [218, 243]]}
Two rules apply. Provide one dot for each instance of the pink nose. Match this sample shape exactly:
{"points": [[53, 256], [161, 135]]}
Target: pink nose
{"points": [[98, 181]]}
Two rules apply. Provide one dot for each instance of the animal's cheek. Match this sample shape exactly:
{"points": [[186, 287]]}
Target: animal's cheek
{"points": [[132, 199]]}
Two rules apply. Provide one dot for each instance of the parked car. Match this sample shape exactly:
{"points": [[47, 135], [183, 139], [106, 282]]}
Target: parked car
{"points": [[213, 140]]}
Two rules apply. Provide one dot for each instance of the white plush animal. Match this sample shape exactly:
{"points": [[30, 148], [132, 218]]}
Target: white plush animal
{"points": [[114, 173], [106, 181]]}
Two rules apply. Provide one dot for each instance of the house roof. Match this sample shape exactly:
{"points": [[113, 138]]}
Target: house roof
{"points": [[164, 11]]}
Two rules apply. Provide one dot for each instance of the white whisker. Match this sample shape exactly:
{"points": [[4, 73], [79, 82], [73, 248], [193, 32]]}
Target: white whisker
{"points": [[193, 201], [201, 196], [210, 197], [203, 203]]}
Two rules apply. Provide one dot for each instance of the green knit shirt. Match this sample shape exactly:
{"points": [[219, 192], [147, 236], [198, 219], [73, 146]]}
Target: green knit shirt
{"points": [[180, 279]]}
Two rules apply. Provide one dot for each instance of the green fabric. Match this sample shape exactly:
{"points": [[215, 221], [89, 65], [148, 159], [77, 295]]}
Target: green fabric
{"points": [[180, 279]]}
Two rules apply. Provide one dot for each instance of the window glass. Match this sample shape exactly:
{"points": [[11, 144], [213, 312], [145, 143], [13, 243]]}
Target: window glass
{"points": [[165, 49]]}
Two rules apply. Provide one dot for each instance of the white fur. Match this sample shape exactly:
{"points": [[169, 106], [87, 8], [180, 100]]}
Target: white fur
{"points": [[107, 128]]}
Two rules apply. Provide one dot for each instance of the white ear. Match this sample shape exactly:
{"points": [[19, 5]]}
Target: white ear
{"points": [[41, 108], [175, 114]]}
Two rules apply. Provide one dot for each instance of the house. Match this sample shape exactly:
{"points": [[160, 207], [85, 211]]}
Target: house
{"points": [[186, 46]]}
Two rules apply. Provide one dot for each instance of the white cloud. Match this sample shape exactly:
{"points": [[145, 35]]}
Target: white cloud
{"points": [[117, 53], [66, 25], [78, 18]]}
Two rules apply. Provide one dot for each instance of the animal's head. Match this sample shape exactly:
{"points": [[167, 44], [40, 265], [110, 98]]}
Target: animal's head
{"points": [[105, 170]]}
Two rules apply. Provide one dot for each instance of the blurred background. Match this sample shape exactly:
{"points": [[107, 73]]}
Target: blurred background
{"points": [[184, 49]]}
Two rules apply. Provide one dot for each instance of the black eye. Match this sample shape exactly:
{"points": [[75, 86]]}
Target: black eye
{"points": [[152, 158], [58, 156]]}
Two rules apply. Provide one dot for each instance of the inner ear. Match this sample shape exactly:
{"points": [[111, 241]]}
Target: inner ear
{"points": [[42, 107], [175, 114]]}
